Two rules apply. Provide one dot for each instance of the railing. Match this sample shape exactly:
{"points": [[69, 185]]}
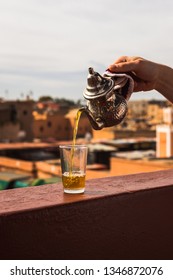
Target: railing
{"points": [[122, 217]]}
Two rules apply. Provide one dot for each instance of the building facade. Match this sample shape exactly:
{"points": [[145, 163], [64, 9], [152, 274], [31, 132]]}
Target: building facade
{"points": [[16, 120]]}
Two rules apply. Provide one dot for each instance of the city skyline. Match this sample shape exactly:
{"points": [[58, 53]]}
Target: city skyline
{"points": [[47, 46]]}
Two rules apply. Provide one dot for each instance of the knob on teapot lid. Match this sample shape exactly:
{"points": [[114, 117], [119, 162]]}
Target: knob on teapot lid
{"points": [[97, 86]]}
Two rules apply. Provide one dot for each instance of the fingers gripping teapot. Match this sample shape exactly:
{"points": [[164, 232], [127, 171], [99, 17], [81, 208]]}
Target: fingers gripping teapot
{"points": [[107, 98]]}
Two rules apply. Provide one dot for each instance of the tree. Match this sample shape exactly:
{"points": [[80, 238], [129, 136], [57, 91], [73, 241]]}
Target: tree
{"points": [[45, 98]]}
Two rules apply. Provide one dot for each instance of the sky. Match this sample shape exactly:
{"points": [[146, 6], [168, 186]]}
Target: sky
{"points": [[46, 46]]}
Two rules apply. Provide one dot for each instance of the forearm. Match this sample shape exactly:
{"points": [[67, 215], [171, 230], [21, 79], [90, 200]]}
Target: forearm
{"points": [[164, 83]]}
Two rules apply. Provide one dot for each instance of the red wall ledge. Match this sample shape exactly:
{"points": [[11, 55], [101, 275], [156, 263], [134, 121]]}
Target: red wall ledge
{"points": [[123, 217]]}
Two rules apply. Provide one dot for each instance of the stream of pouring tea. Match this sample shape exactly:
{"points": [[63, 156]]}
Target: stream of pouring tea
{"points": [[79, 112], [74, 180]]}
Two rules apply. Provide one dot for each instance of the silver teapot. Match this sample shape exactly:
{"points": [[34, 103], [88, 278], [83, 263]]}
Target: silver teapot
{"points": [[106, 103]]}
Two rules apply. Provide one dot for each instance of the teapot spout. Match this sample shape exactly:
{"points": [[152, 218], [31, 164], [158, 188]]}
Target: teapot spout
{"points": [[96, 124]]}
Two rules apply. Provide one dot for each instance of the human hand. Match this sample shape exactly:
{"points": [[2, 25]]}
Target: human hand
{"points": [[145, 73]]}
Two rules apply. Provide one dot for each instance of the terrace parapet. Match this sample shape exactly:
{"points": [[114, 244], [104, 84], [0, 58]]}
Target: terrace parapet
{"points": [[120, 217]]}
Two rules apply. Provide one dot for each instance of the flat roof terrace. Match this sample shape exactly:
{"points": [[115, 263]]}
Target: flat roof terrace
{"points": [[28, 145]]}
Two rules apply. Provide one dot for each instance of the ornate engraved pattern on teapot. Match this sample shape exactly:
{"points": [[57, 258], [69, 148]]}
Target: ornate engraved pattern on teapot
{"points": [[105, 106]]}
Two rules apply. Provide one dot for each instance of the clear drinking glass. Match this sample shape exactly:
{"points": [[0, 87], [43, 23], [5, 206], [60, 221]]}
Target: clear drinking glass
{"points": [[73, 167]]}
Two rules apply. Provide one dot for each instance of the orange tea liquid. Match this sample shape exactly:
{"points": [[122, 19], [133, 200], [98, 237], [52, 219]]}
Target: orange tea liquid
{"points": [[73, 181], [79, 112], [74, 138]]}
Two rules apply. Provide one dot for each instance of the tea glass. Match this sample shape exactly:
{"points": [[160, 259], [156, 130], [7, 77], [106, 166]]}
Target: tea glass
{"points": [[73, 167]]}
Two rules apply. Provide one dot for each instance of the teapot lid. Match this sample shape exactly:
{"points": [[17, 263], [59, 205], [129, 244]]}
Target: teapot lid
{"points": [[97, 86]]}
